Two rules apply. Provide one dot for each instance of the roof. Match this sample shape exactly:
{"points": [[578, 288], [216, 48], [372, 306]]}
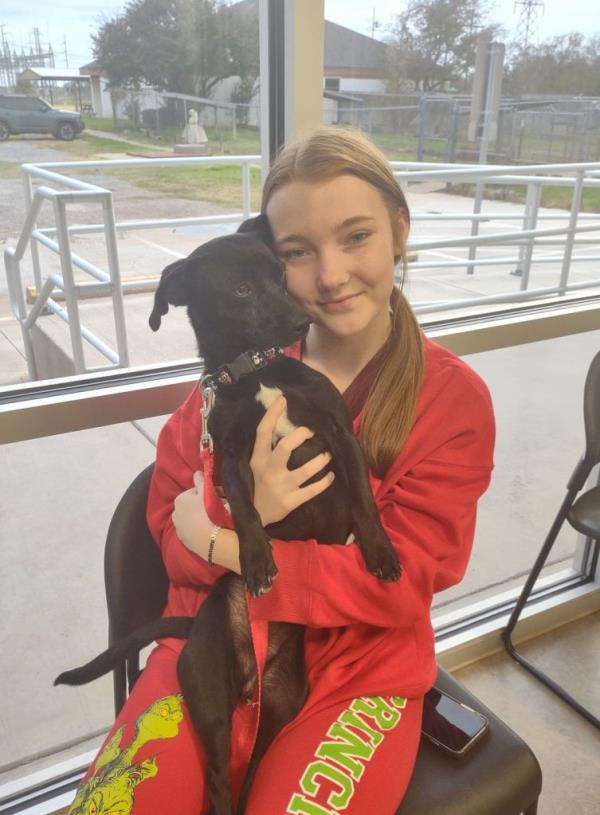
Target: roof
{"points": [[345, 48], [342, 97], [52, 74], [346, 51]]}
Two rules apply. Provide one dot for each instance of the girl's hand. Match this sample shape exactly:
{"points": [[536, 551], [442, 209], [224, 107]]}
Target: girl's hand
{"points": [[277, 490], [193, 527], [192, 524]]}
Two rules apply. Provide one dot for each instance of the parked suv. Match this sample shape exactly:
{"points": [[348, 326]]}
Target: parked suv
{"points": [[30, 114]]}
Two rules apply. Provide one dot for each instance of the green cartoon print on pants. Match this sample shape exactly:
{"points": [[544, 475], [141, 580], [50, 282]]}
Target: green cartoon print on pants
{"points": [[110, 789]]}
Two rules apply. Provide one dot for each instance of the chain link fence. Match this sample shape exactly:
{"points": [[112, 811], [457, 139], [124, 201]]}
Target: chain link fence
{"points": [[422, 127], [434, 127]]}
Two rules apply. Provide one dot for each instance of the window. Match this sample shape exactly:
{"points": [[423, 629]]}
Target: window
{"points": [[33, 104], [64, 485], [162, 211]]}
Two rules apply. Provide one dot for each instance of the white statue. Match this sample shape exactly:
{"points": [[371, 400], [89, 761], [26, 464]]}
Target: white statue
{"points": [[193, 133]]}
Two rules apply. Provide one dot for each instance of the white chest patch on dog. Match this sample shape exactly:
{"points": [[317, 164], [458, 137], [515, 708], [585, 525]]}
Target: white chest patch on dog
{"points": [[266, 396]]}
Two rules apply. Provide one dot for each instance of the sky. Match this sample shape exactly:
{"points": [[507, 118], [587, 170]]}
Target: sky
{"points": [[75, 20]]}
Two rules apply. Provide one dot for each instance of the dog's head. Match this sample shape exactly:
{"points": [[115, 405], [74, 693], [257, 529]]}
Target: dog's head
{"points": [[232, 287]]}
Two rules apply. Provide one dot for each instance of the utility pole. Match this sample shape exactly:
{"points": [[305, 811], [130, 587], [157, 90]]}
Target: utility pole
{"points": [[527, 25], [374, 25], [11, 63], [65, 47]]}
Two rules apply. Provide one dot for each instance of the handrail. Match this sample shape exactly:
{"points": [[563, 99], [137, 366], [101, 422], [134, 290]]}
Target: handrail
{"points": [[109, 282], [526, 237]]}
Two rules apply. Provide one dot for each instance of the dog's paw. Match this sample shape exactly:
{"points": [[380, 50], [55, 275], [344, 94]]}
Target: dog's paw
{"points": [[259, 573], [382, 561]]}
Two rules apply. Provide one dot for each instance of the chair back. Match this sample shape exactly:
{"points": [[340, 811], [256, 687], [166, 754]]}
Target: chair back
{"points": [[134, 576], [591, 412]]}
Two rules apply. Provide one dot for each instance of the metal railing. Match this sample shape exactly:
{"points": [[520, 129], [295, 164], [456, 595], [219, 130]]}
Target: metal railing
{"points": [[66, 191], [527, 237]]}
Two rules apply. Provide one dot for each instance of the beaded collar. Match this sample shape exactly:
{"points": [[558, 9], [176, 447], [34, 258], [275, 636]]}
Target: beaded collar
{"points": [[226, 375]]}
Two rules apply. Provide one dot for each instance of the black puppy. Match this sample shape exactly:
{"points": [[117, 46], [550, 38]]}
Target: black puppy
{"points": [[241, 315]]}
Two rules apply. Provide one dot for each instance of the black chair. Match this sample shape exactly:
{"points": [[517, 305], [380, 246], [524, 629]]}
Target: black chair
{"points": [[500, 776], [582, 513]]}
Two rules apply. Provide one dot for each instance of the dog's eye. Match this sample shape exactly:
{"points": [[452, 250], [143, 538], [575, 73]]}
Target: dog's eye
{"points": [[243, 290]]}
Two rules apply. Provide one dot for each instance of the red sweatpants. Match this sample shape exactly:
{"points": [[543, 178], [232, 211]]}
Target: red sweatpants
{"points": [[356, 757]]}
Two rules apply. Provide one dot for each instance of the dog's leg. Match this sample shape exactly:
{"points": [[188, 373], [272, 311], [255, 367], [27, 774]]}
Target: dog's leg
{"points": [[211, 685], [284, 691], [256, 561], [380, 557]]}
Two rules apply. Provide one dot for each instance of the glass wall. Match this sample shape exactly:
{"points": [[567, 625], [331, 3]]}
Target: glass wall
{"points": [[60, 491], [407, 75], [132, 109], [537, 390], [59, 494]]}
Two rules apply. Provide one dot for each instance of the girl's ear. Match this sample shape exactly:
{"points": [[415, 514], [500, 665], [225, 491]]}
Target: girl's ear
{"points": [[400, 228], [173, 288]]}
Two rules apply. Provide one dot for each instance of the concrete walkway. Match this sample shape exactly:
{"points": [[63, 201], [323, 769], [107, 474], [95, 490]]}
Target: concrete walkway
{"points": [[102, 134]]}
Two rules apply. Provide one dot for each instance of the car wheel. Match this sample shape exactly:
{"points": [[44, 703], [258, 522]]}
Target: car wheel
{"points": [[65, 131], [4, 131]]}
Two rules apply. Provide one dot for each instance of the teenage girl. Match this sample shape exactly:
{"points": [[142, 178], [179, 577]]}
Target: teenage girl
{"points": [[424, 418]]}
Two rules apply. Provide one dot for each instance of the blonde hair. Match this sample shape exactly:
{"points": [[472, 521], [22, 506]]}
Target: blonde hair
{"points": [[391, 405]]}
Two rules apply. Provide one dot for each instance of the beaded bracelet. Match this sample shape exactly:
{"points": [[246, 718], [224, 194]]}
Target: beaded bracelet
{"points": [[211, 543]]}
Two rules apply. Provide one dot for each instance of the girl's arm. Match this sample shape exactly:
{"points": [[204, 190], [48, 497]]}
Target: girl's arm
{"points": [[428, 509], [176, 513], [177, 458], [277, 491]]}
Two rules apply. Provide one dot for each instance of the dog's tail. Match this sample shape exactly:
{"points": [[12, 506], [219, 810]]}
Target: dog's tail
{"points": [[178, 627]]}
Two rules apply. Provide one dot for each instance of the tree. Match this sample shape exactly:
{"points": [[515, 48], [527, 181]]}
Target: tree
{"points": [[185, 46], [567, 64], [434, 43], [113, 54]]}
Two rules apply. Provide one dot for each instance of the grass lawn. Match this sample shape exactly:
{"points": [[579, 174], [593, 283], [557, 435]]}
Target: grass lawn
{"points": [[552, 197], [222, 185], [10, 169], [219, 184], [221, 143]]}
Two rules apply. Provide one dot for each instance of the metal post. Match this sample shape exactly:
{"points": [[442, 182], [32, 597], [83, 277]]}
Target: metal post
{"points": [[246, 190], [575, 207], [17, 298], [66, 265], [451, 138], [112, 253], [495, 57], [35, 254], [532, 205], [234, 122], [420, 138]]}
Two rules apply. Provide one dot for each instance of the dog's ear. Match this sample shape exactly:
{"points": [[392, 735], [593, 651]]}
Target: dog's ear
{"points": [[259, 226], [173, 289]]}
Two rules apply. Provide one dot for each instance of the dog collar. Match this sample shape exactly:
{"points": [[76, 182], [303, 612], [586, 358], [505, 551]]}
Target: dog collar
{"points": [[246, 363]]}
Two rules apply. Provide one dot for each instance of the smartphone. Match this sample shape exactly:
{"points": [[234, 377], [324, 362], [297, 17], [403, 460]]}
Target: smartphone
{"points": [[450, 725]]}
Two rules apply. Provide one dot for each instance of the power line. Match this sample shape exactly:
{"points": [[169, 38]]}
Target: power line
{"points": [[12, 63]]}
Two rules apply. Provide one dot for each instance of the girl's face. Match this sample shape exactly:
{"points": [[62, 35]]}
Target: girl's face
{"points": [[338, 246]]}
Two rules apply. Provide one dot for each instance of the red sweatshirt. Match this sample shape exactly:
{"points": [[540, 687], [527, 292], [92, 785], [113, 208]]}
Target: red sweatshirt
{"points": [[363, 637]]}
